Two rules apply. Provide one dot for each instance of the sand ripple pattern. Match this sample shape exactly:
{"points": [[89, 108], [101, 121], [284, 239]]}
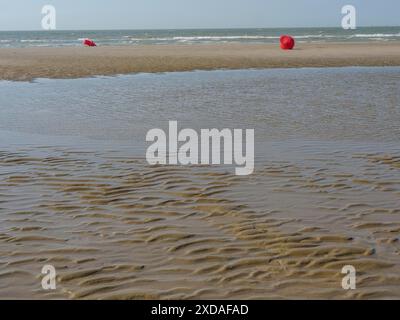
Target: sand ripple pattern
{"points": [[115, 228]]}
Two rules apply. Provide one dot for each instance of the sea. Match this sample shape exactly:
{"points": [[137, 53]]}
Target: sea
{"points": [[193, 36]]}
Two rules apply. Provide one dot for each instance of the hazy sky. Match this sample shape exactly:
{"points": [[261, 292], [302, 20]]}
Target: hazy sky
{"points": [[171, 14]]}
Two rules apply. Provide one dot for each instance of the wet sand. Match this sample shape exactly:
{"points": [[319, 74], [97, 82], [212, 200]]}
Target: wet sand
{"points": [[116, 228], [75, 62]]}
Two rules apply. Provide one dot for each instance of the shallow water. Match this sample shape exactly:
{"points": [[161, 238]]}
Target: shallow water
{"points": [[75, 191], [319, 104]]}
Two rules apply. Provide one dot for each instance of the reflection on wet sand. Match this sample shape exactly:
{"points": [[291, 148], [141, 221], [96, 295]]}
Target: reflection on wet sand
{"points": [[116, 228]]}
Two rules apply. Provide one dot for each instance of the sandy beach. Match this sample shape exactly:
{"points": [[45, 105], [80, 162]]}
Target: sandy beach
{"points": [[216, 151], [75, 62]]}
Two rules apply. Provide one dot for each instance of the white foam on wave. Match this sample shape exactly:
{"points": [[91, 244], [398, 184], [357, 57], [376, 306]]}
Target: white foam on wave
{"points": [[261, 37], [377, 35]]}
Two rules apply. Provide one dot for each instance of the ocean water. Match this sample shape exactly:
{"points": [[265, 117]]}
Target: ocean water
{"points": [[76, 192], [194, 36]]}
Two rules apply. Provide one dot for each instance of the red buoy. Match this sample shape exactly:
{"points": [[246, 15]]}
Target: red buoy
{"points": [[287, 42], [89, 43]]}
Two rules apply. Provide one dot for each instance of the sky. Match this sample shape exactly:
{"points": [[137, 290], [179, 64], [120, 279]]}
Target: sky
{"points": [[182, 14]]}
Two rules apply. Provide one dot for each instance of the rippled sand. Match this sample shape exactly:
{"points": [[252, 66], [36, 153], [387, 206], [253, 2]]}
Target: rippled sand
{"points": [[116, 228]]}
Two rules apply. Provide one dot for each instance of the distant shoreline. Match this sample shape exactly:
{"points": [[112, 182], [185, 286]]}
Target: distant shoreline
{"points": [[26, 64], [206, 28]]}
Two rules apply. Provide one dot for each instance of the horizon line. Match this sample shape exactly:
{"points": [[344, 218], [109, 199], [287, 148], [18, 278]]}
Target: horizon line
{"points": [[207, 28]]}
